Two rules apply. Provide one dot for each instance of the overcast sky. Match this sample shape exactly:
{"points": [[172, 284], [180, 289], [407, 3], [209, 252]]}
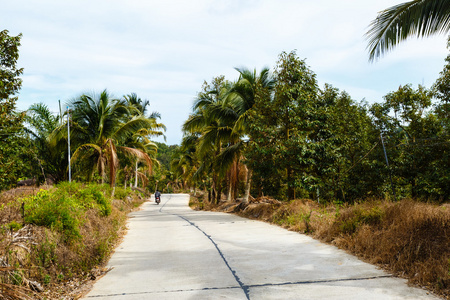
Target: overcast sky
{"points": [[164, 50]]}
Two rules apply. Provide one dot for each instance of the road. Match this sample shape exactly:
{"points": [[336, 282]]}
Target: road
{"points": [[173, 252]]}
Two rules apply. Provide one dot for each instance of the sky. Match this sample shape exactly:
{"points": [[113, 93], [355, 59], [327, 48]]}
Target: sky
{"points": [[164, 50]]}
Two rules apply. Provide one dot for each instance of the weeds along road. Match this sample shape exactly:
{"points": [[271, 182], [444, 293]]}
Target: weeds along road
{"points": [[173, 252]]}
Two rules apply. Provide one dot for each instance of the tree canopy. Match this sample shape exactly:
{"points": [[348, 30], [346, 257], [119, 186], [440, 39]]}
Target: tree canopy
{"points": [[11, 145]]}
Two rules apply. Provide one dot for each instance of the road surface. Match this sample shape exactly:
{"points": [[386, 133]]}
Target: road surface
{"points": [[173, 252]]}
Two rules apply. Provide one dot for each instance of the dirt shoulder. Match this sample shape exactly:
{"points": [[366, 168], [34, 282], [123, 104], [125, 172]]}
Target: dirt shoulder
{"points": [[407, 238]]}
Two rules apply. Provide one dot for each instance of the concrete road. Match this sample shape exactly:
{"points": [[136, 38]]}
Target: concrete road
{"points": [[172, 252]]}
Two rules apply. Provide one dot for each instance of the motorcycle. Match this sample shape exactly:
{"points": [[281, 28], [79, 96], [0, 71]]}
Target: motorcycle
{"points": [[157, 199]]}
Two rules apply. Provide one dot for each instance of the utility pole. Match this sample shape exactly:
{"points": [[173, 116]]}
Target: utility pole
{"points": [[387, 163], [60, 113], [68, 141]]}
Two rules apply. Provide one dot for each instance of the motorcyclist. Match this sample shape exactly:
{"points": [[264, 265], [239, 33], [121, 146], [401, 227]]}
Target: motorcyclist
{"points": [[157, 196]]}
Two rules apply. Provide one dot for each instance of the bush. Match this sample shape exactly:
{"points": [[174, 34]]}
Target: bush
{"points": [[62, 208], [60, 213], [74, 227]]}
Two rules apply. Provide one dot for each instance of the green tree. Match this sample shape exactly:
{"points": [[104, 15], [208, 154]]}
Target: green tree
{"points": [[414, 18], [441, 90], [184, 163], [243, 94], [11, 145], [139, 106], [146, 150], [417, 148], [288, 132], [52, 159], [353, 171], [99, 125]]}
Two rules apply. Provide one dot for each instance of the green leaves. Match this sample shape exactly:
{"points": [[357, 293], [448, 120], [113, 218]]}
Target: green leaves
{"points": [[397, 23], [12, 145], [300, 141]]}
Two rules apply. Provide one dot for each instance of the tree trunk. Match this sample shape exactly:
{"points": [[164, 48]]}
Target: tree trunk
{"points": [[214, 189], [236, 184], [136, 174], [290, 191], [219, 194], [230, 187], [229, 193], [248, 185]]}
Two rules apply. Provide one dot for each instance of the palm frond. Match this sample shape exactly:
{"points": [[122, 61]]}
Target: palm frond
{"points": [[112, 160], [139, 154], [79, 151], [128, 128], [419, 18], [229, 155], [195, 123]]}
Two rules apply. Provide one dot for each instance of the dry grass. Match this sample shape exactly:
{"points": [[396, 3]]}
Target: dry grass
{"points": [[408, 238], [39, 258]]}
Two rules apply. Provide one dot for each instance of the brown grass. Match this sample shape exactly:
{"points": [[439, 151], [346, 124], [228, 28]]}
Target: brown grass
{"points": [[407, 238], [37, 255]]}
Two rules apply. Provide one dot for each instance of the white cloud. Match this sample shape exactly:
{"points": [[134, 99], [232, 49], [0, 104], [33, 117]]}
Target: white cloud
{"points": [[164, 50]]}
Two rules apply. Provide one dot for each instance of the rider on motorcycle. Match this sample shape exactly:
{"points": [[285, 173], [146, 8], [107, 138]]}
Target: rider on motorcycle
{"points": [[157, 197]]}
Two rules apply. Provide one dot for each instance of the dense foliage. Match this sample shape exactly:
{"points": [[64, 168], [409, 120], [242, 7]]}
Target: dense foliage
{"points": [[12, 145], [54, 236], [292, 139]]}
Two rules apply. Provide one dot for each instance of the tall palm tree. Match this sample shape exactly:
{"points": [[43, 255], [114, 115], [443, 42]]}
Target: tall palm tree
{"points": [[142, 150], [244, 92], [140, 106], [99, 124], [220, 122], [184, 163], [52, 159], [140, 140], [414, 18], [210, 122]]}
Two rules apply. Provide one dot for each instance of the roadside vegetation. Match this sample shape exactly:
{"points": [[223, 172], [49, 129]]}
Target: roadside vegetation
{"points": [[376, 175], [55, 240], [272, 134], [407, 238], [280, 135]]}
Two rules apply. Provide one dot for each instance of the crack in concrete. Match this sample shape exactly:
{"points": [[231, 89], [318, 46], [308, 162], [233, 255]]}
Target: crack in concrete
{"points": [[319, 281], [247, 286], [236, 277], [166, 292]]}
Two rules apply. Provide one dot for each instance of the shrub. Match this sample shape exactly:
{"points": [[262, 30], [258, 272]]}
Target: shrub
{"points": [[74, 228], [350, 220], [59, 213], [121, 193]]}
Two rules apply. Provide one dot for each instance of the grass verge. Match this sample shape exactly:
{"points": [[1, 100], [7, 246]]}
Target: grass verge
{"points": [[407, 238], [53, 240]]}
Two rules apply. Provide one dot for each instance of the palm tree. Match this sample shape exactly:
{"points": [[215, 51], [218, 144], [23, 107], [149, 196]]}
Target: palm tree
{"points": [[142, 150], [140, 106], [52, 159], [140, 140], [397, 23], [100, 124], [211, 123], [244, 92], [184, 163]]}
